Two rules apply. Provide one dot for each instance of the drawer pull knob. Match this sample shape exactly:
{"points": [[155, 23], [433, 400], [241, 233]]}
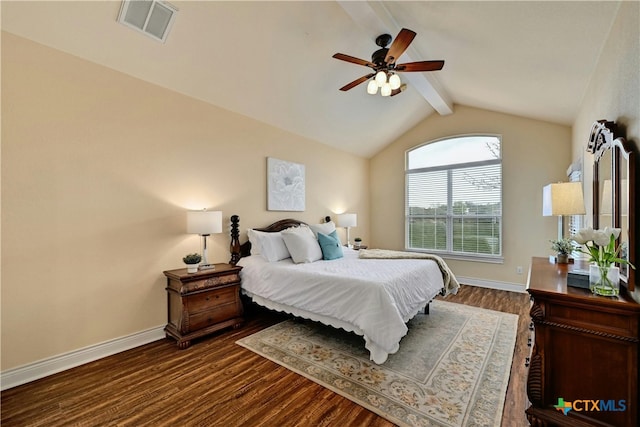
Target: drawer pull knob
{"points": [[529, 342], [526, 362]]}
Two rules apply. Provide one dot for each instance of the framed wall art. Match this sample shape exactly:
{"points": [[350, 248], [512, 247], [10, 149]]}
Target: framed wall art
{"points": [[285, 185]]}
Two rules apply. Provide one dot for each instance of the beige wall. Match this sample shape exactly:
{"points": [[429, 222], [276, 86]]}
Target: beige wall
{"points": [[613, 93], [98, 169], [534, 154]]}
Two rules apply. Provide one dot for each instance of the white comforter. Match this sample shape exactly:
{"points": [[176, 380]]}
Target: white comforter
{"points": [[371, 297]]}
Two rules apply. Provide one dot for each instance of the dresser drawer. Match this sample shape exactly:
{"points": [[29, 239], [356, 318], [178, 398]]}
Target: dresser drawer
{"points": [[586, 318], [206, 300], [212, 316]]}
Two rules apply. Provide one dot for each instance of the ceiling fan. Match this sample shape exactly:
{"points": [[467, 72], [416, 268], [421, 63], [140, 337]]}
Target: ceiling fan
{"points": [[383, 64]]}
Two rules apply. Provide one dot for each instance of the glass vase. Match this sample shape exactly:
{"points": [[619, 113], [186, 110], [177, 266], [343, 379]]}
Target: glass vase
{"points": [[604, 280]]}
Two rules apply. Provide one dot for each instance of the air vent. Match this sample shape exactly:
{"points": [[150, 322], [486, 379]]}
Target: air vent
{"points": [[151, 17]]}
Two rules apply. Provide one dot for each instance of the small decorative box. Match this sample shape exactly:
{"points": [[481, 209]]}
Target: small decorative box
{"points": [[578, 278]]}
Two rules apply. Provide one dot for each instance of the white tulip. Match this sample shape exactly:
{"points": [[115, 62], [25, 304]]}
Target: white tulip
{"points": [[583, 236], [601, 238], [579, 238], [615, 231]]}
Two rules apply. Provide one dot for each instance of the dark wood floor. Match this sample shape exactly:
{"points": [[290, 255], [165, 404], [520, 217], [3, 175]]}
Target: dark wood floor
{"points": [[218, 383]]}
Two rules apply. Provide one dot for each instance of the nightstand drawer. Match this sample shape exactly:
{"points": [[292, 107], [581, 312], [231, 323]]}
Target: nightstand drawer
{"points": [[211, 282], [213, 316], [205, 300]]}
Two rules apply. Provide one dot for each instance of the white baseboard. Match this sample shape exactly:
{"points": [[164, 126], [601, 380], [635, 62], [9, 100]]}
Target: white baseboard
{"points": [[43, 368], [503, 286]]}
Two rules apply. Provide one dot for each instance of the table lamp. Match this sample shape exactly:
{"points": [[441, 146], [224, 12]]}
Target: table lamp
{"points": [[348, 220], [562, 199], [204, 223]]}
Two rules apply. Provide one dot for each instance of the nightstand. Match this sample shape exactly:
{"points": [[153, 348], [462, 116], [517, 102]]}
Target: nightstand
{"points": [[203, 302]]}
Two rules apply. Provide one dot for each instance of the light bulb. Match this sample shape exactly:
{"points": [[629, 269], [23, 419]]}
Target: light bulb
{"points": [[385, 90], [381, 78], [394, 81], [372, 87]]}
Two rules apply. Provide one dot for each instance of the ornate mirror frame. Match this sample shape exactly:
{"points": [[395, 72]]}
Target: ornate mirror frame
{"points": [[614, 200]]}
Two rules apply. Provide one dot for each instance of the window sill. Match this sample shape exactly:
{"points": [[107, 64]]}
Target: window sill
{"points": [[462, 257]]}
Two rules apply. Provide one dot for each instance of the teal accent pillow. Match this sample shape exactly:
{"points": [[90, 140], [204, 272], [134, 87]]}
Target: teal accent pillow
{"points": [[330, 245]]}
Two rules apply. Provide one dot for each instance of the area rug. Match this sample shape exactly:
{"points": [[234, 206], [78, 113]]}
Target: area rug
{"points": [[452, 368]]}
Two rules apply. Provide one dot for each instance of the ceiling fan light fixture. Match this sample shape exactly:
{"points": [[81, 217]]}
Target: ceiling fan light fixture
{"points": [[385, 90], [372, 87], [383, 65], [394, 81]]}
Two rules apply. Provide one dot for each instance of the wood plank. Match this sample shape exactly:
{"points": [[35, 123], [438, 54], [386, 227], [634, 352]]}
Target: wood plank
{"points": [[216, 382]]}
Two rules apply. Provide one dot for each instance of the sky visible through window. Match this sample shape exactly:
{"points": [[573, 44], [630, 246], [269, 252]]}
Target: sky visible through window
{"points": [[464, 149], [480, 185]]}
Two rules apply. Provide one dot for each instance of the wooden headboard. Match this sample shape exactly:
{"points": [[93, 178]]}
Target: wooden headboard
{"points": [[242, 250]]}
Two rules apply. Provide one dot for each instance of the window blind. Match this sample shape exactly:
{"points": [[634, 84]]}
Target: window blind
{"points": [[455, 208]]}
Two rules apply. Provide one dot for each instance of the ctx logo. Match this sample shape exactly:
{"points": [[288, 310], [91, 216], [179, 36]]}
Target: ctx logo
{"points": [[590, 405]]}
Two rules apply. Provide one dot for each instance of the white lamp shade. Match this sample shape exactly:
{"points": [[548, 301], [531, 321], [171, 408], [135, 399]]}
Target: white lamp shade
{"points": [[347, 220], [563, 198], [394, 81], [385, 90], [372, 87], [204, 222], [381, 78]]}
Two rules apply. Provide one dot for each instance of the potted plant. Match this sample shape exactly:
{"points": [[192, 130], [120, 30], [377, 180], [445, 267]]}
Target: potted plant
{"points": [[192, 261], [563, 248], [604, 275], [357, 242]]}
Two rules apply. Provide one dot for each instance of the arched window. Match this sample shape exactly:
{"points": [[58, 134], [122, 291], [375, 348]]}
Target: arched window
{"points": [[454, 197]]}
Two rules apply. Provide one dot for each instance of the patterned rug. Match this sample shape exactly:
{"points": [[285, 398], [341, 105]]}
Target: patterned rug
{"points": [[452, 368]]}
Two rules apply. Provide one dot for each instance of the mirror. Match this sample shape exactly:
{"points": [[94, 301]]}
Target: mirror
{"points": [[604, 191], [614, 191], [624, 174]]}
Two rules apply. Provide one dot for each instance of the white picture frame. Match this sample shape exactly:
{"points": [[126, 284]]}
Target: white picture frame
{"points": [[285, 185]]}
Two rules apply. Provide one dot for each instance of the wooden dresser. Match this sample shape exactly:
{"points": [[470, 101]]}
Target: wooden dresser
{"points": [[585, 350], [203, 302]]}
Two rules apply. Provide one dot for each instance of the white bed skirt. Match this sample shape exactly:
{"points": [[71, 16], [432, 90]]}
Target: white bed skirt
{"points": [[376, 353]]}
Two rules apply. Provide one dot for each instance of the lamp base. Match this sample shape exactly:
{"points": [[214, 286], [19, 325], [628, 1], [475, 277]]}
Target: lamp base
{"points": [[207, 267]]}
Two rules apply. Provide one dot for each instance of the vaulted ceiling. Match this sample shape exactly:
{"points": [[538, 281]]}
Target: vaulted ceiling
{"points": [[271, 61]]}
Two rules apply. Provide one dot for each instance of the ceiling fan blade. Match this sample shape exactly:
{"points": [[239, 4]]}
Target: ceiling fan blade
{"points": [[357, 82], [399, 45], [402, 88], [420, 66], [354, 60]]}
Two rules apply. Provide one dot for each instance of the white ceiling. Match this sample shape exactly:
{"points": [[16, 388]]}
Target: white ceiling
{"points": [[272, 60]]}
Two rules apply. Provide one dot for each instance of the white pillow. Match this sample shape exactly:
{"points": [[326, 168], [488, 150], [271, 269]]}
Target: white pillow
{"points": [[326, 228], [254, 239], [269, 245], [302, 244]]}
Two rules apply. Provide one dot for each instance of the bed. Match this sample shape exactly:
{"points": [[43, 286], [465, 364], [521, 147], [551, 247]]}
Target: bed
{"points": [[373, 298]]}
